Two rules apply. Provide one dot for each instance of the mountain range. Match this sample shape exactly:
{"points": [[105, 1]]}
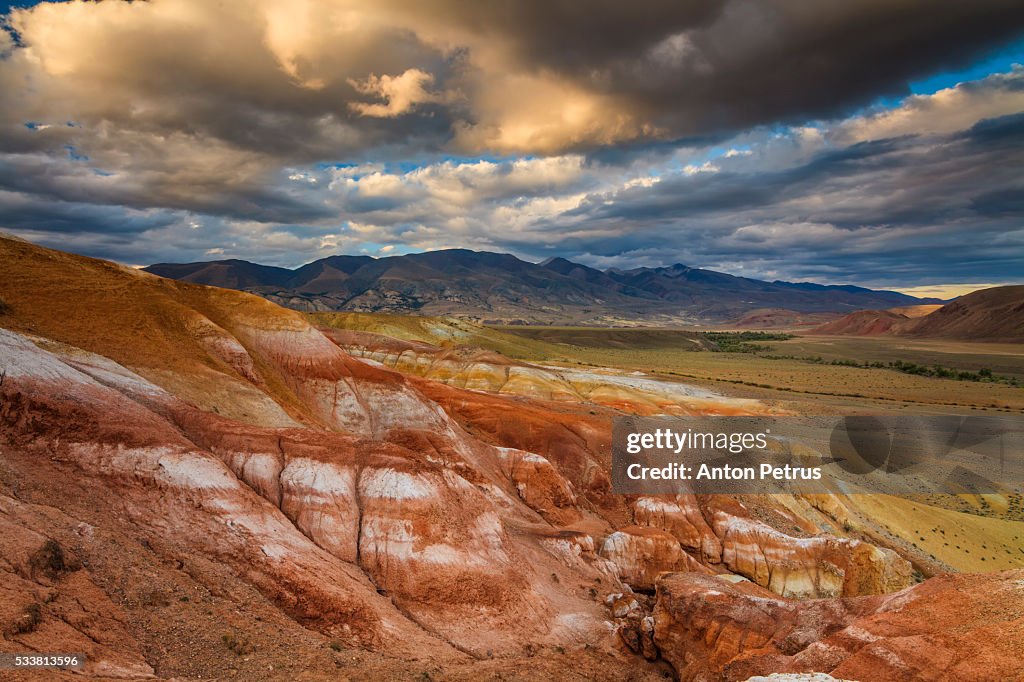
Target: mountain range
{"points": [[502, 288]]}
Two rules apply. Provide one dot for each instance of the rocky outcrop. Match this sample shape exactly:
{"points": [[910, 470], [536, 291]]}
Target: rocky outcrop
{"points": [[681, 516], [427, 557], [321, 500], [634, 623], [721, 533], [576, 441], [541, 486], [642, 554], [710, 629], [812, 567], [576, 550]]}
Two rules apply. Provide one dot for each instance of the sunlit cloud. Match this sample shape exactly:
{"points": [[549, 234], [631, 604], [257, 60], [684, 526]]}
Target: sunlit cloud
{"points": [[614, 134]]}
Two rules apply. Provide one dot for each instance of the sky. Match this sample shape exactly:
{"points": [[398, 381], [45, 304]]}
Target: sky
{"points": [[869, 142]]}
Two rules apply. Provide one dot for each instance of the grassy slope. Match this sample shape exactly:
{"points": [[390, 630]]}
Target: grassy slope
{"points": [[1002, 358], [967, 542], [440, 331], [670, 352], [798, 377], [632, 338]]}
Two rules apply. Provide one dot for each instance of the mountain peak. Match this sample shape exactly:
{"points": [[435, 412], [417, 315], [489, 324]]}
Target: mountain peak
{"points": [[555, 260]]}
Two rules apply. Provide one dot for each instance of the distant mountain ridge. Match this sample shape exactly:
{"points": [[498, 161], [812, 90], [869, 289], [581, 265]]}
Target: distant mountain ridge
{"points": [[501, 287], [995, 314]]}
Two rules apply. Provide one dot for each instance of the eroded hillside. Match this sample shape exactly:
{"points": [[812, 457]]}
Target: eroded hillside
{"points": [[197, 483]]}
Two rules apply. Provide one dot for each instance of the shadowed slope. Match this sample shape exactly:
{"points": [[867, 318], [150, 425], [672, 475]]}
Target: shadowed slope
{"points": [[990, 314], [995, 314]]}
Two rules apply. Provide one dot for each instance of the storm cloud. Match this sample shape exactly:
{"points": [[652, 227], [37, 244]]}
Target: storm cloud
{"points": [[739, 134]]}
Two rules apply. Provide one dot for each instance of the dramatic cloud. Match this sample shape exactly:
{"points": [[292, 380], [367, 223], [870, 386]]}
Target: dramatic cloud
{"points": [[946, 111], [740, 134]]}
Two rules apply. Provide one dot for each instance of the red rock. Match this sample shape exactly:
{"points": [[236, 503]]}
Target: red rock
{"points": [[952, 627], [814, 567], [642, 554], [541, 486], [681, 516]]}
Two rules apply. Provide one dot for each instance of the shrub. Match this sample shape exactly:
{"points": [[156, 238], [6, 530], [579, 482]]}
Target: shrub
{"points": [[49, 560], [241, 646], [28, 621]]}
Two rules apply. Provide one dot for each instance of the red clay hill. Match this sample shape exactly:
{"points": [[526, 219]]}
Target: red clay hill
{"points": [[995, 314]]}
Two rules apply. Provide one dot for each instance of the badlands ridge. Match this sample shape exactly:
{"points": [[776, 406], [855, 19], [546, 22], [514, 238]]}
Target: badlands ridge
{"points": [[196, 483]]}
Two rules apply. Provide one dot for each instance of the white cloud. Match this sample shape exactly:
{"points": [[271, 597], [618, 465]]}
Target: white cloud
{"points": [[706, 167], [946, 111]]}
